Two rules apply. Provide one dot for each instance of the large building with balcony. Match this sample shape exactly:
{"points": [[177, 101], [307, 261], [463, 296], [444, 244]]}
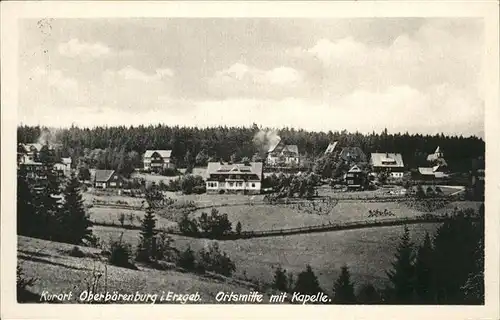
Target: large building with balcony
{"points": [[243, 178]]}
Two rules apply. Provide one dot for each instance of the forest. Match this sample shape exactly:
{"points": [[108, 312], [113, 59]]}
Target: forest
{"points": [[192, 146]]}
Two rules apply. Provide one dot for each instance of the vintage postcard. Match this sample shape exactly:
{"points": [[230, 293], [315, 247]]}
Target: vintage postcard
{"points": [[250, 160]]}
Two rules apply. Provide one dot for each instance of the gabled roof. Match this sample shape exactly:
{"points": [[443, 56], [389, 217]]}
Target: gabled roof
{"points": [[378, 158], [236, 168], [355, 168], [103, 175], [426, 171], [331, 147], [29, 146], [292, 148], [274, 145], [162, 153], [348, 152]]}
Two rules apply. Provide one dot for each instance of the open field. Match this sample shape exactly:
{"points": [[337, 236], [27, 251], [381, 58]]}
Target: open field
{"points": [[111, 215], [367, 252], [58, 272], [270, 217], [156, 178]]}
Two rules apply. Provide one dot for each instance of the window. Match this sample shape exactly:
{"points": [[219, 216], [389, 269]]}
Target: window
{"points": [[253, 185], [231, 184], [350, 181], [239, 184]]}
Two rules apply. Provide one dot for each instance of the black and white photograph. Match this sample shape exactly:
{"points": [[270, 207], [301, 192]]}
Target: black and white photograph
{"points": [[251, 160]]}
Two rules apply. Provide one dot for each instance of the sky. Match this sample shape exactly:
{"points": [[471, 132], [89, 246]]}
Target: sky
{"points": [[417, 75]]}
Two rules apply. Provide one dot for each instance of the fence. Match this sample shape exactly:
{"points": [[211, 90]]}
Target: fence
{"points": [[426, 218]]}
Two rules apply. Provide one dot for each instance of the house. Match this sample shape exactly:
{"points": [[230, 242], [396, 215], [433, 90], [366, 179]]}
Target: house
{"points": [[106, 179], [352, 155], [156, 160], [64, 166], [331, 147], [436, 155], [243, 178], [431, 173], [28, 152], [389, 162], [282, 154], [355, 178]]}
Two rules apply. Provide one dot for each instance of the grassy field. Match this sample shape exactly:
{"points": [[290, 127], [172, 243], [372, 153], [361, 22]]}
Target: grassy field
{"points": [[367, 252], [58, 272], [267, 217], [111, 215]]}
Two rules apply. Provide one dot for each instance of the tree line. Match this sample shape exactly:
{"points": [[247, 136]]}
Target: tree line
{"points": [[445, 269], [195, 146]]}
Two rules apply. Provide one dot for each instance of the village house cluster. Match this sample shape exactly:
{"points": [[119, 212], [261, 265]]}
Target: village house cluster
{"points": [[248, 177]]}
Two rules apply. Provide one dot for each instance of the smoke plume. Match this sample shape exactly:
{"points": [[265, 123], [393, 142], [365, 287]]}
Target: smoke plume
{"points": [[266, 140], [48, 136]]}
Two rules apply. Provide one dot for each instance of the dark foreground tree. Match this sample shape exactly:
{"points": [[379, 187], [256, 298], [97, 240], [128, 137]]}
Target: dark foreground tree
{"points": [[74, 221], [145, 250], [368, 294], [280, 280], [307, 282], [343, 289], [402, 273], [27, 219], [424, 273]]}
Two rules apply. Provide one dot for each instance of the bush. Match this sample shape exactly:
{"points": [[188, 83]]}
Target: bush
{"points": [[199, 189], [188, 227], [169, 172], [187, 260], [76, 252], [120, 254], [215, 224], [215, 260]]}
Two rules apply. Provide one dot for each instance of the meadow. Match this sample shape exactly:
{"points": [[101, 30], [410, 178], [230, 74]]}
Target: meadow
{"points": [[56, 271], [368, 252]]}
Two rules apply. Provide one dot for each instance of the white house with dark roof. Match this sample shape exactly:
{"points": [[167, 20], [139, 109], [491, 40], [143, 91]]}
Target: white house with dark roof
{"points": [[391, 162], [234, 178], [106, 179], [438, 154], [283, 154], [155, 160]]}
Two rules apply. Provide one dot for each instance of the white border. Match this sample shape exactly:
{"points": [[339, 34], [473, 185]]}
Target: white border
{"points": [[13, 11]]}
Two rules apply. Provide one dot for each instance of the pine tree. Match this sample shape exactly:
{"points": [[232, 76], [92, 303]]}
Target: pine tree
{"points": [[26, 213], [74, 222], [307, 282], [280, 280], [368, 294], [147, 233], [402, 274], [343, 288], [424, 283], [47, 198]]}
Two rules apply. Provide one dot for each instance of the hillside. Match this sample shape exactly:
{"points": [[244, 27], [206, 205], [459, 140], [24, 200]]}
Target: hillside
{"points": [[58, 272]]}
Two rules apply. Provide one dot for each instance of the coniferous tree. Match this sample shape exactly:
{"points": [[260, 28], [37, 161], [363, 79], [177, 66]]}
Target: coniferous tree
{"points": [[307, 282], [47, 197], [368, 294], [455, 251], [147, 233], [280, 280], [343, 288], [402, 274], [74, 221], [424, 278], [26, 214]]}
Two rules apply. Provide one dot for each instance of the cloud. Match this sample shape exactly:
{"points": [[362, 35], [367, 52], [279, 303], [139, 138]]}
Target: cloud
{"points": [[76, 48], [242, 80], [130, 73], [398, 108]]}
